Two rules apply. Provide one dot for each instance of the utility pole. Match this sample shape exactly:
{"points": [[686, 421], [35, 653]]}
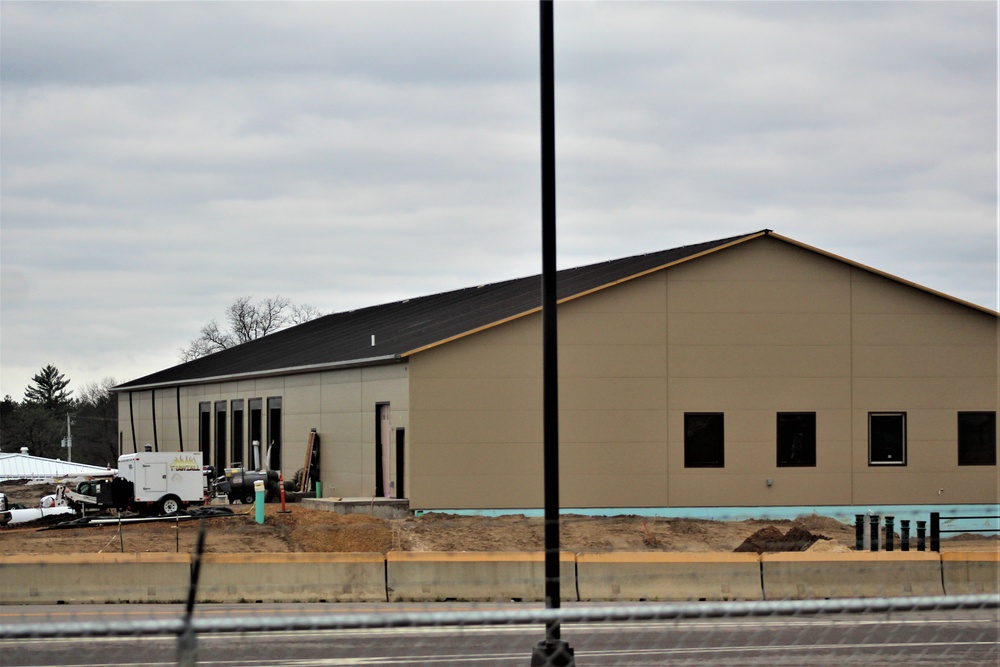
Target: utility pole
{"points": [[69, 440], [552, 651]]}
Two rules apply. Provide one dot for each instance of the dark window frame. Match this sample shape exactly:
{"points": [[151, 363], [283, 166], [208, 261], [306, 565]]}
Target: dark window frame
{"points": [[788, 452], [878, 449], [694, 440], [987, 456]]}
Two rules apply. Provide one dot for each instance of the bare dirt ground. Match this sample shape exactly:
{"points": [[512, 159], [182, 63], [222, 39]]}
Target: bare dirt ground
{"points": [[308, 530]]}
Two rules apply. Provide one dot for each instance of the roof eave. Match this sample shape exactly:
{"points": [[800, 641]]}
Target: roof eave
{"points": [[291, 370]]}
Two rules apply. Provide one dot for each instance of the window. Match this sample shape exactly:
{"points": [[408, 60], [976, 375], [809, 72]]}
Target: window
{"points": [[205, 431], [257, 444], [977, 438], [237, 437], [220, 436], [796, 439], [887, 438], [704, 441], [273, 451]]}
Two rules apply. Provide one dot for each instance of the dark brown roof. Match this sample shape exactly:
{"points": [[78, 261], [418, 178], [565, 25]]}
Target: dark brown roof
{"points": [[403, 327]]}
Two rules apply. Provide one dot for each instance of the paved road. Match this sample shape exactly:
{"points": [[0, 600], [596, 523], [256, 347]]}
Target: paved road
{"points": [[915, 638]]}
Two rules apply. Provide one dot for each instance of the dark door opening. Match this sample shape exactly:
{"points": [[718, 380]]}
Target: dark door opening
{"points": [[256, 434], [382, 443], [400, 459], [236, 434], [274, 433], [205, 432], [220, 436]]}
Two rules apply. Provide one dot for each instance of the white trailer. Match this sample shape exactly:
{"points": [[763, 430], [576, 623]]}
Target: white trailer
{"points": [[165, 481]]}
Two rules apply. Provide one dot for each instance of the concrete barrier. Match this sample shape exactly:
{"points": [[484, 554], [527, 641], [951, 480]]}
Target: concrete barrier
{"points": [[292, 577], [861, 574], [428, 576], [668, 576], [94, 578], [970, 573]]}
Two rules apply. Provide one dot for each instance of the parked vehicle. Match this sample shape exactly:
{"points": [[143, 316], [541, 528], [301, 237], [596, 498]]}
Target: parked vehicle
{"points": [[149, 483]]}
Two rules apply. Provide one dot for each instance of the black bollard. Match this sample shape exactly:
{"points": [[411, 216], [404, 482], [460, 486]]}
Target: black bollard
{"points": [[904, 534], [859, 532], [874, 525], [936, 532], [921, 536], [889, 521]]}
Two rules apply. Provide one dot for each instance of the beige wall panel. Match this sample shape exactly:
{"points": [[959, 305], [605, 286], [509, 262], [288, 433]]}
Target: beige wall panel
{"points": [[716, 361], [785, 394], [613, 490], [931, 329], [642, 295], [708, 489], [341, 397], [762, 260], [269, 385], [876, 294], [759, 329], [628, 458], [933, 361], [892, 394], [481, 427], [616, 393], [482, 459], [303, 398], [610, 426], [464, 360], [977, 485], [631, 361], [437, 394], [740, 296], [478, 491], [587, 328]]}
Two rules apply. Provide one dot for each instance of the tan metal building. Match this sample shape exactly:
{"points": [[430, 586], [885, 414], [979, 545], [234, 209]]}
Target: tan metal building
{"points": [[749, 371]]}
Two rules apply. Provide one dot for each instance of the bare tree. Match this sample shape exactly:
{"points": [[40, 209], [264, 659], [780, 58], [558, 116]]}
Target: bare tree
{"points": [[248, 320]]}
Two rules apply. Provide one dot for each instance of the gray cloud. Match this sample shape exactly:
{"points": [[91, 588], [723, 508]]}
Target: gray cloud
{"points": [[161, 159]]}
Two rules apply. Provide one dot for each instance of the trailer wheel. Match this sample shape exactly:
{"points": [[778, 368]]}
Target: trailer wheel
{"points": [[169, 505], [249, 497]]}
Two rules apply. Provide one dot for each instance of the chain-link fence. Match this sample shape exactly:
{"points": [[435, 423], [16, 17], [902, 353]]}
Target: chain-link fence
{"points": [[957, 630]]}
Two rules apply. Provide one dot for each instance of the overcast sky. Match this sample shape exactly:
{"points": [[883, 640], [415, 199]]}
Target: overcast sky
{"points": [[160, 160]]}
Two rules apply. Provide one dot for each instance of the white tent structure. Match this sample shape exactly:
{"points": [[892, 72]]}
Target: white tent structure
{"points": [[23, 466]]}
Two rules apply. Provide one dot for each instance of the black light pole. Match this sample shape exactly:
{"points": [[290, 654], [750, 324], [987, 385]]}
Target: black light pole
{"points": [[552, 650]]}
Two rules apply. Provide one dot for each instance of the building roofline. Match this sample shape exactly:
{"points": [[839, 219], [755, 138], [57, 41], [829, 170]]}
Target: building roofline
{"points": [[593, 290], [291, 370], [888, 276]]}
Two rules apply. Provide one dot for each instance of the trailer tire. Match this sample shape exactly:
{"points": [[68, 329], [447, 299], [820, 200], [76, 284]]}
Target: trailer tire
{"points": [[169, 505], [248, 497]]}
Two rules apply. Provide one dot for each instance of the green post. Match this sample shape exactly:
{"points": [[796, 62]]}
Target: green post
{"points": [[258, 503], [319, 489]]}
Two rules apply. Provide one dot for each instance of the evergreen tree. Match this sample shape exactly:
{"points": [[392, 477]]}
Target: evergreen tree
{"points": [[49, 390]]}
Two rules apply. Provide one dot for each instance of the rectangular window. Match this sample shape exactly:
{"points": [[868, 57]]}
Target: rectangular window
{"points": [[704, 440], [257, 444], [977, 438], [237, 432], [887, 438], [796, 439], [220, 436], [205, 431], [273, 452]]}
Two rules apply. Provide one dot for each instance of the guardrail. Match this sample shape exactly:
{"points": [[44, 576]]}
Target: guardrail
{"points": [[936, 527]]}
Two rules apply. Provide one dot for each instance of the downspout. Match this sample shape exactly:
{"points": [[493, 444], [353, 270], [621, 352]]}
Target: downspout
{"points": [[180, 434], [131, 422]]}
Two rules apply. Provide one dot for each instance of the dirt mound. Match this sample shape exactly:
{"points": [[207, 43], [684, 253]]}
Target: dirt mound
{"points": [[771, 540]]}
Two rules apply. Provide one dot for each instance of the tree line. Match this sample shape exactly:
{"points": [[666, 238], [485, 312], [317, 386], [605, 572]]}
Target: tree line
{"points": [[38, 422]]}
